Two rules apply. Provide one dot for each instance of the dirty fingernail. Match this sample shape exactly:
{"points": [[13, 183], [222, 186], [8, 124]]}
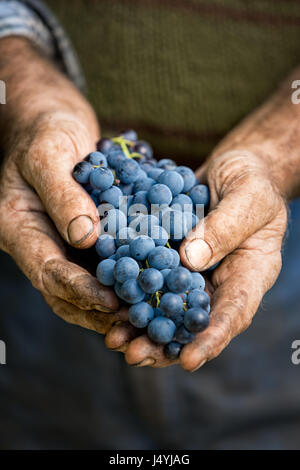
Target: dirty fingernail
{"points": [[79, 229], [198, 253], [146, 362]]}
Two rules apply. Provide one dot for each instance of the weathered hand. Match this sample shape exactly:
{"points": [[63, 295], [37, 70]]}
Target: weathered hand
{"points": [[244, 228]]}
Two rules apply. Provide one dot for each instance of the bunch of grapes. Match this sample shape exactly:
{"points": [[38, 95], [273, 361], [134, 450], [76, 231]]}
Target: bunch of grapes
{"points": [[146, 208]]}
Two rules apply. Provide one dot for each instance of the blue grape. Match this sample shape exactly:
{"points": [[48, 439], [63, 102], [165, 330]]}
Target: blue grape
{"points": [[165, 272], [131, 291], [159, 235], [143, 184], [171, 304], [95, 194], [177, 318], [200, 195], [159, 194], [183, 336], [97, 159], [146, 223], [188, 176], [191, 220], [160, 258], [143, 148], [115, 157], [172, 350], [140, 314], [105, 145], [125, 203], [105, 272], [122, 251], [198, 281], [125, 235], [198, 298], [82, 171], [112, 196], [173, 180], [112, 257], [150, 280], [117, 288], [114, 221], [196, 320], [158, 312], [155, 172], [140, 203], [140, 247], [126, 268], [127, 171], [179, 280], [126, 189], [161, 330], [147, 166], [182, 202], [166, 164], [129, 134], [101, 178], [176, 258], [105, 246], [174, 222]]}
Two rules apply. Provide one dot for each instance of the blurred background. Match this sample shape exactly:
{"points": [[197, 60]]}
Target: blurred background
{"points": [[182, 74]]}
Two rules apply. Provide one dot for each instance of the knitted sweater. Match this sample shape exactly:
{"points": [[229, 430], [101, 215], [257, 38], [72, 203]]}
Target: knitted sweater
{"points": [[182, 73]]}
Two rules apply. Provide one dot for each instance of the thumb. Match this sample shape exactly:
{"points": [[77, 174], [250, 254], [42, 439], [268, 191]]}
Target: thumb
{"points": [[48, 169], [238, 215]]}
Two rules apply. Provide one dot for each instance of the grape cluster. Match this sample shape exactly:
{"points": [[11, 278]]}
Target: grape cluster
{"points": [[146, 208]]}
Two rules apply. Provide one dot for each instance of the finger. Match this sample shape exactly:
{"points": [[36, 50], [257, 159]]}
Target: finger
{"points": [[90, 319], [120, 336], [241, 281], [28, 235], [143, 352], [48, 169], [242, 211]]}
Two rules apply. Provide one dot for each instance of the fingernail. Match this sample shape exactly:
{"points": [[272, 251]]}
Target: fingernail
{"points": [[79, 229], [146, 362], [198, 253], [200, 365]]}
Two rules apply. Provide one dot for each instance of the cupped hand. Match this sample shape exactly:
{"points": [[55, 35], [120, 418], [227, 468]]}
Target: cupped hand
{"points": [[244, 230], [43, 210]]}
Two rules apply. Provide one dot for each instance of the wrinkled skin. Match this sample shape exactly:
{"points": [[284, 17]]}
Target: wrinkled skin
{"points": [[48, 127]]}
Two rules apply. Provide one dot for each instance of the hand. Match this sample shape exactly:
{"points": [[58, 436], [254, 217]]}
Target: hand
{"points": [[244, 228], [42, 209]]}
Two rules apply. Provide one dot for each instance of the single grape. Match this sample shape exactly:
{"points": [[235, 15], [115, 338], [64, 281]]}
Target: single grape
{"points": [[176, 258], [105, 246], [122, 251], [140, 247], [199, 194], [172, 350], [160, 258], [82, 171], [188, 177], [143, 148], [131, 291], [165, 272], [183, 336], [129, 134], [115, 157], [126, 268], [198, 298], [166, 164], [171, 304], [159, 194], [140, 314], [105, 272], [97, 159], [117, 288], [183, 203], [173, 180], [112, 196], [159, 235], [105, 145], [198, 281], [161, 330], [150, 280], [174, 222], [127, 171], [146, 223], [126, 189], [196, 320], [95, 195], [177, 318], [179, 280], [101, 178], [154, 173], [147, 166], [140, 204]]}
